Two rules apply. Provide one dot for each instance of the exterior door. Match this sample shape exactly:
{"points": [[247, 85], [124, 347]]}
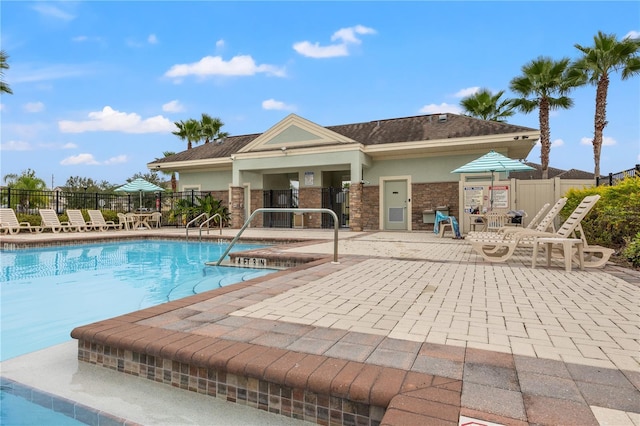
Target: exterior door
{"points": [[395, 205]]}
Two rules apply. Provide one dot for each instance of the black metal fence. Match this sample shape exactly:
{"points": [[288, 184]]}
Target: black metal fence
{"points": [[28, 201], [614, 178]]}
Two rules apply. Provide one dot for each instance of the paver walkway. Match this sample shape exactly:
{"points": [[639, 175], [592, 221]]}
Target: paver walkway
{"points": [[527, 346]]}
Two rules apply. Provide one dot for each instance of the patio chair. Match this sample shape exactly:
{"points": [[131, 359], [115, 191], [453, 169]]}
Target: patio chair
{"points": [[126, 221], [502, 246], [76, 219], [99, 223], [51, 221], [9, 223], [156, 219]]}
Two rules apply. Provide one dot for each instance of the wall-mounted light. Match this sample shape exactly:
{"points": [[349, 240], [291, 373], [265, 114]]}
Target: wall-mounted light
{"points": [[284, 148], [515, 138], [233, 157], [525, 137], [158, 167]]}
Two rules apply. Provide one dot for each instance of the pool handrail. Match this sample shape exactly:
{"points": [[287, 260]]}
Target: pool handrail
{"points": [[193, 220], [206, 222], [290, 210]]}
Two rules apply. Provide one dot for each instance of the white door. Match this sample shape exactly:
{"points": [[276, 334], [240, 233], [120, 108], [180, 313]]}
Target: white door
{"points": [[395, 205]]}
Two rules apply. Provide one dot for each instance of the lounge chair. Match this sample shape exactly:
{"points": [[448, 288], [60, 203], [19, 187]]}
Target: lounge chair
{"points": [[51, 221], [9, 223], [76, 219], [501, 247], [99, 223], [544, 225]]}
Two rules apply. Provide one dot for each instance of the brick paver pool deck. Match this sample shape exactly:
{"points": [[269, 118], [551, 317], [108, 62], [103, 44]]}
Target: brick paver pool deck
{"points": [[407, 328]]}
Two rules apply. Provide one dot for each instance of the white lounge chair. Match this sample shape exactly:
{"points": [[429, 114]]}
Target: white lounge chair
{"points": [[76, 219], [501, 247], [9, 223], [155, 219], [544, 225], [51, 221], [99, 223]]}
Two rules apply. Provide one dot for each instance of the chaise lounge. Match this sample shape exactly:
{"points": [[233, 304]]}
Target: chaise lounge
{"points": [[9, 223], [501, 247], [51, 221], [99, 223]]}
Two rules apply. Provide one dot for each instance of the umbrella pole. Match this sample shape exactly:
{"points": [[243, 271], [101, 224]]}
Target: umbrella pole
{"points": [[491, 193]]}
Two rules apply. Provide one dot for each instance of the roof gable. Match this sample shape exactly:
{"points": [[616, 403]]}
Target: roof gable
{"points": [[295, 132]]}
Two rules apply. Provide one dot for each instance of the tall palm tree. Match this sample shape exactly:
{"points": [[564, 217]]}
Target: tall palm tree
{"points": [[4, 87], [189, 130], [485, 105], [180, 132], [606, 56], [174, 182], [211, 128], [544, 84]]}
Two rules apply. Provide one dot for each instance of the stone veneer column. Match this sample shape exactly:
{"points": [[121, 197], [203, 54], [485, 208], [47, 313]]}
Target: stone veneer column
{"points": [[355, 207], [236, 207]]}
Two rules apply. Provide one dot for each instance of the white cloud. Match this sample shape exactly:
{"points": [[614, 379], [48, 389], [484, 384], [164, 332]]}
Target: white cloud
{"points": [[346, 37], [152, 39], [110, 120], [50, 11], [606, 141], [33, 107], [220, 44], [53, 72], [463, 93], [242, 65], [632, 34], [3, 107], [272, 104], [117, 160], [316, 51], [79, 159], [556, 143], [80, 38], [442, 108], [15, 146], [69, 145], [173, 106]]}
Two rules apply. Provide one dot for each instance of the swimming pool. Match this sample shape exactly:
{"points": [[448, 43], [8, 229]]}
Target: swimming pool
{"points": [[46, 292]]}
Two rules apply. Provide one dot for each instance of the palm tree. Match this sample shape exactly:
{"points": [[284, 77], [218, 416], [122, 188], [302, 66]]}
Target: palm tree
{"points": [[180, 132], [211, 128], [4, 87], [189, 130], [544, 84], [487, 106], [607, 55], [174, 182]]}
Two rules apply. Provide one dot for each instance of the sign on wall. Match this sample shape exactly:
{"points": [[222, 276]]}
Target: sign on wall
{"points": [[500, 196], [473, 198], [308, 178]]}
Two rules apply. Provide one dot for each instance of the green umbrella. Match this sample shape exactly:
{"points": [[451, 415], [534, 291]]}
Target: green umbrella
{"points": [[493, 162], [139, 185]]}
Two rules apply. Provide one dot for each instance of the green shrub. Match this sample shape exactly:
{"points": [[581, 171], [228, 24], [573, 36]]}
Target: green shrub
{"points": [[614, 219], [632, 251]]}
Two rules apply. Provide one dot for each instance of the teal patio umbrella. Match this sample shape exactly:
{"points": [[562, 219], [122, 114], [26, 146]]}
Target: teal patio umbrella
{"points": [[139, 185], [493, 162]]}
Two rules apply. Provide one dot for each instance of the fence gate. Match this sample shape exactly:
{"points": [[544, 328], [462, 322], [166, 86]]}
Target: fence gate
{"points": [[336, 199], [279, 198]]}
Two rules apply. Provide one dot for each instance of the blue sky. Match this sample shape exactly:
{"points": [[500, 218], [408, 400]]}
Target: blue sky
{"points": [[98, 85]]}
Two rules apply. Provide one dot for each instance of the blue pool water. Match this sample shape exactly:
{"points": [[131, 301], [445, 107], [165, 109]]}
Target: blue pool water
{"points": [[47, 292]]}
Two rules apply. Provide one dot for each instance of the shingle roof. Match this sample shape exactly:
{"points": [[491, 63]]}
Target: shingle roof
{"points": [[552, 173], [395, 130]]}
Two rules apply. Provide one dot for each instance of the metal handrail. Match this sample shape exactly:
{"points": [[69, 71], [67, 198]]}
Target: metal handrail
{"points": [[193, 220], [290, 210], [207, 221]]}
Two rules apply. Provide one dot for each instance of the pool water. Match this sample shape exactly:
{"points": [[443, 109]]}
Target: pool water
{"points": [[47, 292], [19, 411]]}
